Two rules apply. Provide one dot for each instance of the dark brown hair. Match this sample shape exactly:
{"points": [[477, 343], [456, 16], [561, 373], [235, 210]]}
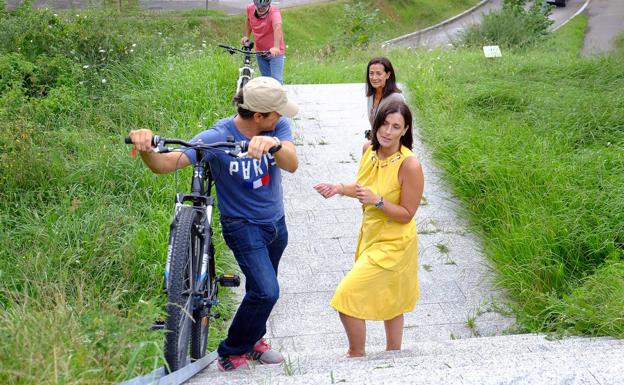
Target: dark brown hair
{"points": [[407, 140], [390, 86]]}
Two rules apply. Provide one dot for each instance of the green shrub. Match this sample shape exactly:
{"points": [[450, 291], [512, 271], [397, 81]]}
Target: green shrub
{"points": [[361, 23], [14, 71], [514, 26]]}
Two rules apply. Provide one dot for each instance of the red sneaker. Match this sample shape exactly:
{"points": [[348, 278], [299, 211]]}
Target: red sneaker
{"points": [[264, 354], [229, 363]]}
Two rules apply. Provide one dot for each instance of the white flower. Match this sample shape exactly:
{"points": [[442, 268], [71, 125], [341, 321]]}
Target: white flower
{"points": [[133, 45], [103, 81], [102, 51], [131, 50], [85, 66]]}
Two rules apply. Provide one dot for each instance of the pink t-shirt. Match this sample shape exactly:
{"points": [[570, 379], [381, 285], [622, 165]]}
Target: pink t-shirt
{"points": [[262, 28]]}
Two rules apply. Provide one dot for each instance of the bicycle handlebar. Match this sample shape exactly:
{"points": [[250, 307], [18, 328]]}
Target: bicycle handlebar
{"points": [[239, 149], [233, 50]]}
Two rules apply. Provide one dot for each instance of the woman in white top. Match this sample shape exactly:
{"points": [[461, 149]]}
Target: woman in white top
{"points": [[381, 87]]}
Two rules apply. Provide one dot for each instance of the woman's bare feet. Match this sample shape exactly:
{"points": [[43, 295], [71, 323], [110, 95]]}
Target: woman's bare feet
{"points": [[354, 354]]}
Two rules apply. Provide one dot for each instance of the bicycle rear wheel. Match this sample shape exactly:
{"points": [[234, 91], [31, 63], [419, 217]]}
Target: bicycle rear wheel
{"points": [[186, 248]]}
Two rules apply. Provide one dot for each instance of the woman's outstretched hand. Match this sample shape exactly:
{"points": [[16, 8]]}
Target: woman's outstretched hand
{"points": [[365, 196], [328, 190]]}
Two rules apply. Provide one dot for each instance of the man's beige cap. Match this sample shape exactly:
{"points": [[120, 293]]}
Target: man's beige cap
{"points": [[265, 94]]}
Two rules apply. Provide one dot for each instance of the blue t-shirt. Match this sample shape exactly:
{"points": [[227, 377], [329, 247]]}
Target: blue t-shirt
{"points": [[246, 188]]}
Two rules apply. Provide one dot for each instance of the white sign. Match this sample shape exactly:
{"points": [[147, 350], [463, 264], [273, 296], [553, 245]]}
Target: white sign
{"points": [[492, 51]]}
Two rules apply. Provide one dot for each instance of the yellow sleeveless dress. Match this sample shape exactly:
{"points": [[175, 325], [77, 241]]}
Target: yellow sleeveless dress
{"points": [[383, 282]]}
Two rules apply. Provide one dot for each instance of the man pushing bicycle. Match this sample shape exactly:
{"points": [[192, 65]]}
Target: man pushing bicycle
{"points": [[251, 204], [265, 22]]}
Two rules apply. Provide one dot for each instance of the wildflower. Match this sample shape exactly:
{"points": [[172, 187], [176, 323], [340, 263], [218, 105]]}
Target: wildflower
{"points": [[85, 66], [103, 81], [133, 45], [102, 51]]}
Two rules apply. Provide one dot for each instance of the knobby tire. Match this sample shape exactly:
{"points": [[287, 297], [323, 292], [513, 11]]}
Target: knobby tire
{"points": [[201, 326], [186, 248]]}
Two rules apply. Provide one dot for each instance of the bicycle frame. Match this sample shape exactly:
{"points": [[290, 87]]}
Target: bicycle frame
{"points": [[246, 72]]}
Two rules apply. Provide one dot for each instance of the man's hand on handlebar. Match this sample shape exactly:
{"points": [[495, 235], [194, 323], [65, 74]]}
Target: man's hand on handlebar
{"points": [[273, 52], [142, 139], [260, 145], [244, 40]]}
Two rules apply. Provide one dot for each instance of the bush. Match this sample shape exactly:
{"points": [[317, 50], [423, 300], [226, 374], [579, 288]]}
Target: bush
{"points": [[360, 25], [515, 26]]}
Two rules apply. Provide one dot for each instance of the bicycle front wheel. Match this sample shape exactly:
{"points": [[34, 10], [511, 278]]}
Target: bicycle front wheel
{"points": [[185, 249], [199, 331]]}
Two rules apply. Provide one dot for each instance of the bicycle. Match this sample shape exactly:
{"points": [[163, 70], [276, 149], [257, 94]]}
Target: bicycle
{"points": [[246, 72], [190, 280]]}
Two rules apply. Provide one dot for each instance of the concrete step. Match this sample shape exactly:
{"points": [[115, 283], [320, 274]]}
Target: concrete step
{"points": [[522, 359]]}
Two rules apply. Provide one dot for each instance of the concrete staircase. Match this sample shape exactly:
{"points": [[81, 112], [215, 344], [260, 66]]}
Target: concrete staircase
{"points": [[511, 359]]}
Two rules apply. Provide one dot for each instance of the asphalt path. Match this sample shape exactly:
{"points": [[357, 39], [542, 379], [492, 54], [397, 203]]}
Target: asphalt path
{"points": [[605, 24], [448, 31]]}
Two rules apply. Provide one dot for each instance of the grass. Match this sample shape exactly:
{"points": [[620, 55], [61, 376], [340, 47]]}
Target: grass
{"points": [[532, 144]]}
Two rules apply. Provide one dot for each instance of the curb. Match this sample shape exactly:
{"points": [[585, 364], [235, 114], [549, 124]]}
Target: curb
{"points": [[573, 16], [440, 24], [159, 377]]}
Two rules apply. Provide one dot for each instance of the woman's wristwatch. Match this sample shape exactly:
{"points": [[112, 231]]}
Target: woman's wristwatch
{"points": [[380, 203]]}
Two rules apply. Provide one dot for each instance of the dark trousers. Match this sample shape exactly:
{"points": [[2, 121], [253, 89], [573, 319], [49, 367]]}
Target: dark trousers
{"points": [[258, 250]]}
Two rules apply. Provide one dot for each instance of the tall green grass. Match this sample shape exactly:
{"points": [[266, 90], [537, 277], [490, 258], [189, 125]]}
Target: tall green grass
{"points": [[532, 143]]}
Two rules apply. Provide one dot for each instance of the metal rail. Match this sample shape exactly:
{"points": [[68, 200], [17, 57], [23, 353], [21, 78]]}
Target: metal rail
{"points": [[158, 377]]}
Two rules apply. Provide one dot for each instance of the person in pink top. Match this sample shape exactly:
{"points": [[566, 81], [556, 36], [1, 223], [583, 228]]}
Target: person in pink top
{"points": [[265, 21]]}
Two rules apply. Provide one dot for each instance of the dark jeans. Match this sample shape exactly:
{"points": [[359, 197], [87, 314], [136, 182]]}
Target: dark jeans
{"points": [[258, 249]]}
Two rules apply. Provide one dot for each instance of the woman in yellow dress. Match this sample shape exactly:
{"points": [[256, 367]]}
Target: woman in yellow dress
{"points": [[383, 283]]}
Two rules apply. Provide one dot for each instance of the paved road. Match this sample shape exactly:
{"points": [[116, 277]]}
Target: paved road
{"points": [[606, 22], [446, 32]]}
